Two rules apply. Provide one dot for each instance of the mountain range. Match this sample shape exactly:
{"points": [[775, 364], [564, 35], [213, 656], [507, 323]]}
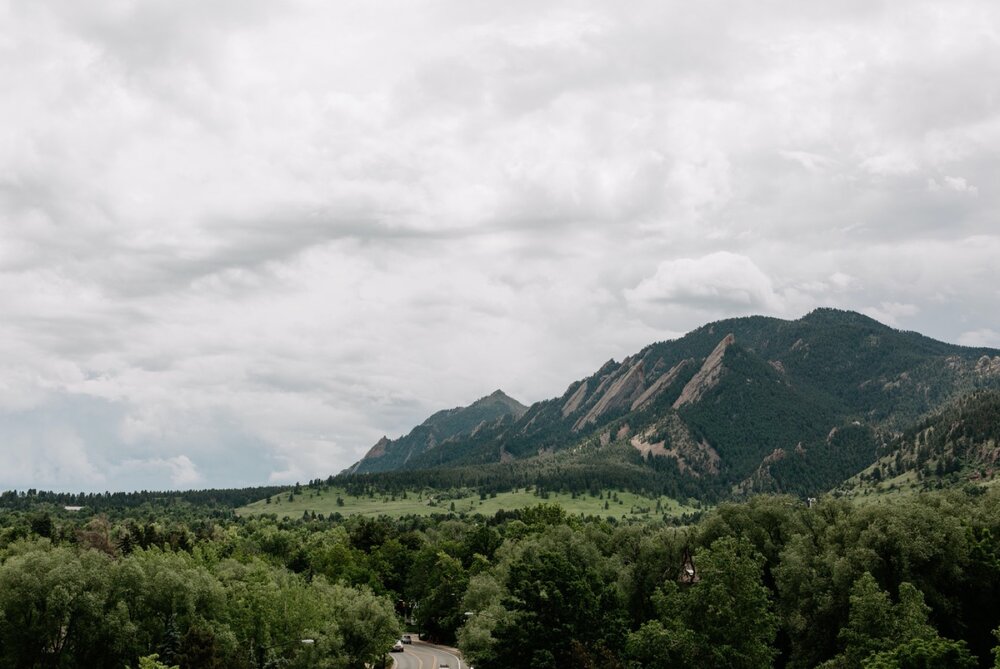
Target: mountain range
{"points": [[738, 405]]}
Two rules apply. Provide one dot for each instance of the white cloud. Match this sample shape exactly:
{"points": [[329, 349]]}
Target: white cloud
{"points": [[957, 184], [892, 313], [811, 161], [179, 471], [292, 227], [722, 280], [43, 457], [842, 281], [983, 337], [890, 164]]}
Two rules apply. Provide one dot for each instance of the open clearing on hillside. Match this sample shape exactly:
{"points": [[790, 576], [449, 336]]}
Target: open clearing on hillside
{"points": [[907, 484], [428, 502]]}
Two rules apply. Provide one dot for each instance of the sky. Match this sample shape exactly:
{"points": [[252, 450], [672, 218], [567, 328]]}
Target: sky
{"points": [[240, 240]]}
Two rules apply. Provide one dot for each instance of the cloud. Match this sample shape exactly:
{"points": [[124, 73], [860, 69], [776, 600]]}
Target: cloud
{"points": [[890, 164], [724, 281], [179, 470], [48, 457], [810, 161], [957, 184], [983, 337], [842, 281], [892, 313], [267, 233]]}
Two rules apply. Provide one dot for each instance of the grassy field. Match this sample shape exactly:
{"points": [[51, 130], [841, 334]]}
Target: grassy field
{"points": [[428, 502], [906, 484]]}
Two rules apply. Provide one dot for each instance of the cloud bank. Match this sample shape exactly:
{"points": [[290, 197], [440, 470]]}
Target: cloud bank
{"points": [[241, 241]]}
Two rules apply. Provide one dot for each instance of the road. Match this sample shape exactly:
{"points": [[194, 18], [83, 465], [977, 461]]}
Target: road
{"points": [[421, 655]]}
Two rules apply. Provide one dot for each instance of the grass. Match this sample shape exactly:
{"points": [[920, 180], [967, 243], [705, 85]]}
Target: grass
{"points": [[906, 484], [428, 502]]}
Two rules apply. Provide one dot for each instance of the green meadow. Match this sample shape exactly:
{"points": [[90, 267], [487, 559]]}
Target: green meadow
{"points": [[864, 491], [610, 503]]}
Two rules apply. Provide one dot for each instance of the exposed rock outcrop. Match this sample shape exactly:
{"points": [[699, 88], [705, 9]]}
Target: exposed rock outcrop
{"points": [[694, 457], [777, 455], [707, 377], [988, 366], [621, 392], [378, 450], [660, 385], [762, 477], [575, 400], [374, 453]]}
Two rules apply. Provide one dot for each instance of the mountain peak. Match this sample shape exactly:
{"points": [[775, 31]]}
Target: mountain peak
{"points": [[828, 315], [500, 397], [378, 450], [443, 426]]}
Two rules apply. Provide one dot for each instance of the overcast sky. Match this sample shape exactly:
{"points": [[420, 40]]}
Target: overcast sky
{"points": [[240, 240]]}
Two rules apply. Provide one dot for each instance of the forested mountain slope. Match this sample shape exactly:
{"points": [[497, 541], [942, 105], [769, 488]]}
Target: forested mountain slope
{"points": [[742, 404], [957, 444], [494, 409]]}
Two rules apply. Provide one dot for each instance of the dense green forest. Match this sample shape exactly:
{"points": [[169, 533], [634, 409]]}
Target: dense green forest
{"points": [[904, 582]]}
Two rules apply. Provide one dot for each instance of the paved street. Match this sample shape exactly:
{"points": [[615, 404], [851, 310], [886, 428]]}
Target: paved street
{"points": [[420, 655]]}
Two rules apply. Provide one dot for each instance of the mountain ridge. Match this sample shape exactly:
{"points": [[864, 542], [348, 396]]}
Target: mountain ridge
{"points": [[958, 443], [740, 404], [440, 427]]}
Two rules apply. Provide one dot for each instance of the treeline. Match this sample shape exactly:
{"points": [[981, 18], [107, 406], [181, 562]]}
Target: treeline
{"points": [[959, 443], [155, 501], [770, 582], [588, 469], [773, 583]]}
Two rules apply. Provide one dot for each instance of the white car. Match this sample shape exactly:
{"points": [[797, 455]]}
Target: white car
{"points": [[397, 647]]}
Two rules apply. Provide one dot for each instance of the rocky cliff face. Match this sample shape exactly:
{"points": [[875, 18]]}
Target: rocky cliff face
{"points": [[659, 386], [671, 438], [707, 377], [616, 392], [988, 366]]}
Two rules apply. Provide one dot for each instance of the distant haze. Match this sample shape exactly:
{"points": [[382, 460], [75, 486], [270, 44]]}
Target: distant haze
{"points": [[242, 240]]}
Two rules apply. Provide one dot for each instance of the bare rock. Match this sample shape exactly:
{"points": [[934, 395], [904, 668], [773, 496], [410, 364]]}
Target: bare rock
{"points": [[378, 450], [707, 377], [694, 457], [660, 385], [574, 402], [622, 391]]}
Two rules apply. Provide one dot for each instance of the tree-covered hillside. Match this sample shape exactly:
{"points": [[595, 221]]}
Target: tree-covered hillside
{"points": [[774, 582], [956, 445], [738, 405], [491, 411]]}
